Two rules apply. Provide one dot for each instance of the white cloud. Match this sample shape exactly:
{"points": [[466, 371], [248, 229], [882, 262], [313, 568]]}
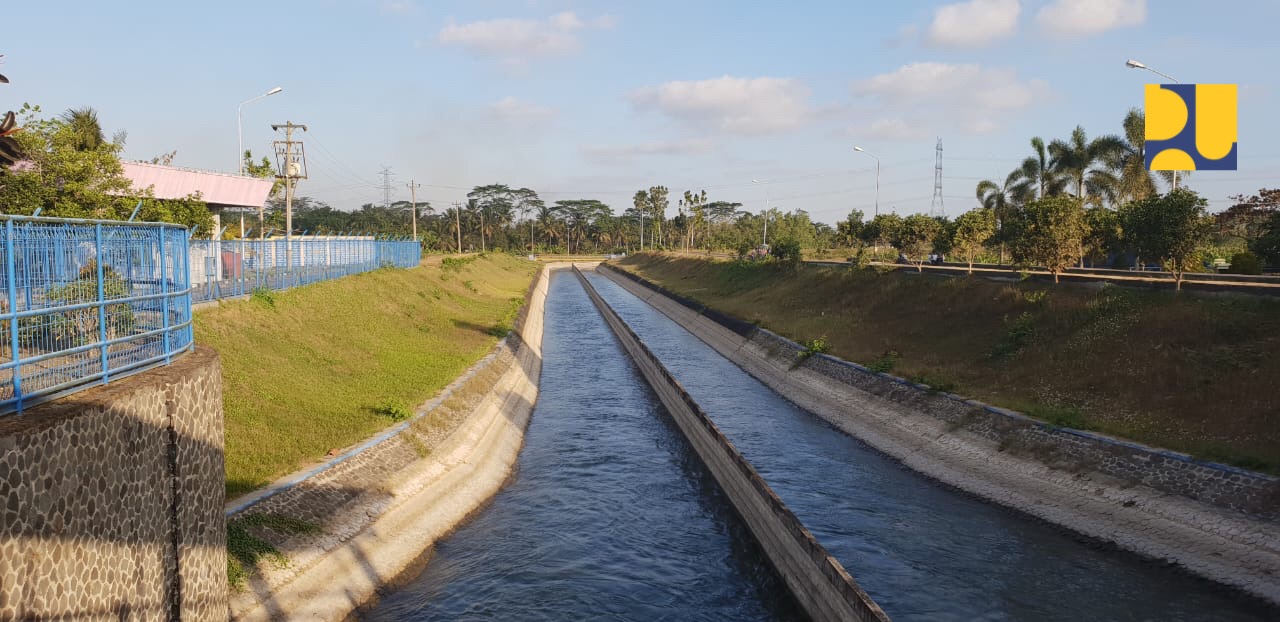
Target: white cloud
{"points": [[923, 98], [735, 105], [954, 85], [1082, 18], [677, 147], [512, 109], [892, 129], [516, 41], [974, 23]]}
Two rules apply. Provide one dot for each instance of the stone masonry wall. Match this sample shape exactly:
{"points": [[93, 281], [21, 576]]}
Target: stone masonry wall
{"points": [[111, 500]]}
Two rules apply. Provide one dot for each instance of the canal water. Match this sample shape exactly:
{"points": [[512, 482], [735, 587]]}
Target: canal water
{"points": [[609, 516], [924, 551]]}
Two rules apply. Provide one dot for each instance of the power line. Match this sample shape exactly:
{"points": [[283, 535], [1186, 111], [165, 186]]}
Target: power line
{"points": [[386, 186]]}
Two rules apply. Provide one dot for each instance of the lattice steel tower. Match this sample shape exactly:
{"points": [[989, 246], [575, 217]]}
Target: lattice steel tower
{"points": [[936, 208]]}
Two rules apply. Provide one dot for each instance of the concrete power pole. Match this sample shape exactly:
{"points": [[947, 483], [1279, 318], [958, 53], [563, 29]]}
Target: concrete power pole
{"points": [[413, 200], [457, 223], [291, 159]]}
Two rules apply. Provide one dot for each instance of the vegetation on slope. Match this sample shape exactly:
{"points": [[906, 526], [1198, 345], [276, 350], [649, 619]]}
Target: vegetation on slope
{"points": [[314, 369], [1190, 373]]}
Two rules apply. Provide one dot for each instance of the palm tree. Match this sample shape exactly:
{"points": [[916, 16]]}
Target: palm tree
{"points": [[85, 127], [1037, 172], [1130, 164], [1003, 200], [1082, 164]]}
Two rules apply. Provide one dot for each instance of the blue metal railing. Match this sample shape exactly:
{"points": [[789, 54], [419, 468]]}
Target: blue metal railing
{"points": [[86, 301], [231, 268]]}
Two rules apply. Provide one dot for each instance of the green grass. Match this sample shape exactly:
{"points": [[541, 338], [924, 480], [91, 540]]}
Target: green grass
{"points": [[1187, 372], [244, 549], [318, 368]]}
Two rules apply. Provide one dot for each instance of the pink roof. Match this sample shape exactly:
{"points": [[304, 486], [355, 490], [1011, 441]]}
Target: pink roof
{"points": [[216, 189]]}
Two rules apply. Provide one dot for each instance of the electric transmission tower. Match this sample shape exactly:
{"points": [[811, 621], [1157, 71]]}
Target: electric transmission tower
{"points": [[936, 208], [386, 185]]}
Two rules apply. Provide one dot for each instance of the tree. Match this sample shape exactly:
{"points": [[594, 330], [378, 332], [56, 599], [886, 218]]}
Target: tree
{"points": [[1049, 232], [1083, 164], [1105, 233], [882, 228], [693, 202], [1248, 218], [916, 238], [641, 203], [84, 129], [1038, 173], [849, 230], [1169, 227], [1130, 161], [527, 202], [70, 175], [1267, 246], [973, 229], [657, 205], [1003, 200]]}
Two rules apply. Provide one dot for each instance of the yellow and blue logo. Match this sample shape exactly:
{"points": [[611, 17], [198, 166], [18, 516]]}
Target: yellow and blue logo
{"points": [[1191, 127]]}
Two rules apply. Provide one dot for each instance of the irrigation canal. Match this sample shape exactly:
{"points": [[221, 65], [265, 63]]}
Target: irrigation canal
{"points": [[612, 516]]}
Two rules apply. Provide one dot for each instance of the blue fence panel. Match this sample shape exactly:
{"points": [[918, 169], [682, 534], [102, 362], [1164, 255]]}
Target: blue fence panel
{"points": [[232, 268], [87, 301]]}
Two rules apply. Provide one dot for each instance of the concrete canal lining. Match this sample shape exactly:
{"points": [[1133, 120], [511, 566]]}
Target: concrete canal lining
{"points": [[384, 529], [818, 581], [911, 425]]}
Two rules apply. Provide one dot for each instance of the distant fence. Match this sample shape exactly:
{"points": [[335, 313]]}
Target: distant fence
{"points": [[88, 301], [231, 268]]}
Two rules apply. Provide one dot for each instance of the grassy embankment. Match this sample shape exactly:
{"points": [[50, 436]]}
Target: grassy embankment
{"points": [[318, 368], [1185, 372]]}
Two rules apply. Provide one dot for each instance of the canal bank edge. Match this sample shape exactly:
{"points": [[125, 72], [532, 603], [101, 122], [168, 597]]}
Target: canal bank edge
{"points": [[1116, 491], [384, 504], [814, 577]]}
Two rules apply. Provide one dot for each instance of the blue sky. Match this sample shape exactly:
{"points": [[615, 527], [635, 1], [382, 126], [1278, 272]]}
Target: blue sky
{"points": [[596, 99]]}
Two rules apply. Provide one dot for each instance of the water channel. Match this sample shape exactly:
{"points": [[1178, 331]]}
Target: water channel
{"points": [[612, 516]]}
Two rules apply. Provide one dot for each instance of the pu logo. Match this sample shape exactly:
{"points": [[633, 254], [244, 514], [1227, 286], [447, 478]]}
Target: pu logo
{"points": [[1191, 127]]}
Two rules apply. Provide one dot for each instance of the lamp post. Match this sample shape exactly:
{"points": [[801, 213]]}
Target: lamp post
{"points": [[1133, 64], [764, 240], [861, 150], [240, 125]]}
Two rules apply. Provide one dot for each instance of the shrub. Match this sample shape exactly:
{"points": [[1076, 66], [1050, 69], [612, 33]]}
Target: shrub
{"points": [[814, 346], [263, 296], [396, 411], [885, 363], [1019, 332], [787, 251], [1246, 263], [78, 327]]}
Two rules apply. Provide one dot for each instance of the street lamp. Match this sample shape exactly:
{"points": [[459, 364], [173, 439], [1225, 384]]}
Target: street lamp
{"points": [[240, 124], [764, 241], [861, 150], [1133, 64]]}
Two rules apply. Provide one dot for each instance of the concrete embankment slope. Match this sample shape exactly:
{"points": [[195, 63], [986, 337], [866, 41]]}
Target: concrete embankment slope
{"points": [[383, 505], [819, 582], [1216, 521]]}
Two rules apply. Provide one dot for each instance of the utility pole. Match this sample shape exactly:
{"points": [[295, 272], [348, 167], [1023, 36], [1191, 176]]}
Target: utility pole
{"points": [[413, 199], [457, 223], [291, 159], [386, 186]]}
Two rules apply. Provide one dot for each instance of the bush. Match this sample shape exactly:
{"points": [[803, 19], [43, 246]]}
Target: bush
{"points": [[885, 363], [787, 251], [1245, 263]]}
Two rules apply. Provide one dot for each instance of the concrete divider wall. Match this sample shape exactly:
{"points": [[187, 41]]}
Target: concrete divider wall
{"points": [[111, 500], [384, 504], [818, 581], [1219, 522]]}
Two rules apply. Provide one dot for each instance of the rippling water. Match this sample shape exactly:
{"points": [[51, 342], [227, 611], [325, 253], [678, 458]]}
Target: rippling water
{"points": [[924, 551], [610, 515]]}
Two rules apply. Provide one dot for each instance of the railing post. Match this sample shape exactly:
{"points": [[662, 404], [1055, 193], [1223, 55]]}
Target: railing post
{"points": [[11, 273], [164, 300], [102, 304]]}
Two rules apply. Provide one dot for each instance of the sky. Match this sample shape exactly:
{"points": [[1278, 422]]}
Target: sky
{"points": [[600, 98]]}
